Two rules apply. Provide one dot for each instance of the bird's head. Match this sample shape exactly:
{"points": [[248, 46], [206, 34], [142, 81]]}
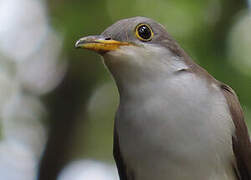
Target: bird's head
{"points": [[136, 47]]}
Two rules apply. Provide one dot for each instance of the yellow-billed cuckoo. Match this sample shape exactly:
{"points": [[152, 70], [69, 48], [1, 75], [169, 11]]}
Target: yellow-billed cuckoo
{"points": [[174, 121]]}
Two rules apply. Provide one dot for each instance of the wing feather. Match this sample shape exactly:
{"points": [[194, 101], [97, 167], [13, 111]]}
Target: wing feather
{"points": [[124, 172], [241, 140]]}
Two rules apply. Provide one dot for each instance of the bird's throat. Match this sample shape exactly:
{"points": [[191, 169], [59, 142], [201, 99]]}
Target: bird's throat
{"points": [[134, 66]]}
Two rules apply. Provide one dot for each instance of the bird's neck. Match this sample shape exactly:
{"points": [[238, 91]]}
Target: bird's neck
{"points": [[136, 83], [139, 69]]}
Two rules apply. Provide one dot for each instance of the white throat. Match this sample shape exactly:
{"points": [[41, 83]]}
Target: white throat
{"points": [[132, 65]]}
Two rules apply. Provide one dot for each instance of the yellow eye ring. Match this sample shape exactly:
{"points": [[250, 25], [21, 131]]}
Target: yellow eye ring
{"points": [[144, 32]]}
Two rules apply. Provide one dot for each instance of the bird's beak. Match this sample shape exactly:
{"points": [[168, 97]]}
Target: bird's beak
{"points": [[100, 44]]}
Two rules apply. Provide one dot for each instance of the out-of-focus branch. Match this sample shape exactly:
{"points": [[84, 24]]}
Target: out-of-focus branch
{"points": [[66, 102], [63, 105]]}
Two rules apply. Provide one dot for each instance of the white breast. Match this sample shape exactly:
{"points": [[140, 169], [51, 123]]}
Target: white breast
{"points": [[176, 128]]}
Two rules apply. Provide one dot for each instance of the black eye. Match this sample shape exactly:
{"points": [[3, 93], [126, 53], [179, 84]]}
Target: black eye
{"points": [[144, 32]]}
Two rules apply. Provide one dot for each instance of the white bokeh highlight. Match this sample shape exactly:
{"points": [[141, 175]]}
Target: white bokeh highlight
{"points": [[30, 66], [23, 27], [16, 161], [89, 170]]}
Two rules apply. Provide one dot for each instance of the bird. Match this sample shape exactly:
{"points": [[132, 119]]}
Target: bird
{"points": [[174, 120]]}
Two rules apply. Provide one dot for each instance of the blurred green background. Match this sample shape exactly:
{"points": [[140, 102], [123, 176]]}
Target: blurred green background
{"points": [[57, 103]]}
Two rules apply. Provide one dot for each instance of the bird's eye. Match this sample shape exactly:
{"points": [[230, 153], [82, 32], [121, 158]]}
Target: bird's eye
{"points": [[144, 32]]}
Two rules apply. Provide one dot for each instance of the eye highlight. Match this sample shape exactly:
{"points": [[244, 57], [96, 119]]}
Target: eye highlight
{"points": [[144, 32]]}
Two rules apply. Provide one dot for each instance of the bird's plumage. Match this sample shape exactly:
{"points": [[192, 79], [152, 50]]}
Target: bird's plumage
{"points": [[240, 139], [174, 121]]}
